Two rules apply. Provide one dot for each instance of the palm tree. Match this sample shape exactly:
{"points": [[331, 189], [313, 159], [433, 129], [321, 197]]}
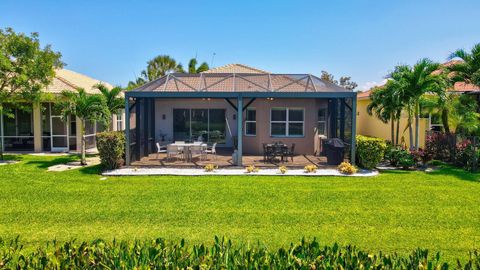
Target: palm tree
{"points": [[413, 83], [114, 102], [86, 107], [193, 69], [160, 66], [134, 84], [467, 70]]}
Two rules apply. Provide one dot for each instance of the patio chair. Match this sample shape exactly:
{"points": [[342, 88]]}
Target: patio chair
{"points": [[160, 149], [197, 151], [266, 152], [212, 151], [173, 151], [290, 152]]}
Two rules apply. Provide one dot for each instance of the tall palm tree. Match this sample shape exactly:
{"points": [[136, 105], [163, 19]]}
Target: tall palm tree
{"points": [[134, 84], [86, 107], [414, 82], [467, 70], [159, 66], [193, 69], [114, 102]]}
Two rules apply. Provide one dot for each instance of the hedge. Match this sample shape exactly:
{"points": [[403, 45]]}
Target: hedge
{"points": [[111, 146], [370, 151], [221, 254]]}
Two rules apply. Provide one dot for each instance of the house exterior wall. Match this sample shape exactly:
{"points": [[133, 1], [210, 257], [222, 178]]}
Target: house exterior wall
{"points": [[369, 125], [251, 144]]}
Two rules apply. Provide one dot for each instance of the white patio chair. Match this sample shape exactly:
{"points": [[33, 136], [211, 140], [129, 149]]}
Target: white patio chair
{"points": [[160, 149], [212, 151], [173, 151], [196, 151]]}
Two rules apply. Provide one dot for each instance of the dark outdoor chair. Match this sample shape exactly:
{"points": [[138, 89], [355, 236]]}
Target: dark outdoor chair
{"points": [[289, 152], [267, 152]]}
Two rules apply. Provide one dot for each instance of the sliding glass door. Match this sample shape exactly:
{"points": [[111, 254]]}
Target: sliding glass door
{"points": [[193, 124]]}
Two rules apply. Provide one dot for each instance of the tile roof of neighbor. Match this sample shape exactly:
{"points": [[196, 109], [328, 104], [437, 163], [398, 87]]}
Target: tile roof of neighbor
{"points": [[239, 78], [69, 80]]}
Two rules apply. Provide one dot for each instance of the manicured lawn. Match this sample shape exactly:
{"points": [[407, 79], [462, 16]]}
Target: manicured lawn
{"points": [[396, 211]]}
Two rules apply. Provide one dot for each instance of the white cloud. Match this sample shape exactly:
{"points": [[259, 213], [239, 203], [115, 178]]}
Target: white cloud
{"points": [[368, 85]]}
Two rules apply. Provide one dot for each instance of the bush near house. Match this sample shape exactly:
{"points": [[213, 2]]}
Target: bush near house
{"points": [[370, 151], [111, 146], [222, 254]]}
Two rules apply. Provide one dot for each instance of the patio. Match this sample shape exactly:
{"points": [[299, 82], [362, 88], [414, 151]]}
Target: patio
{"points": [[224, 159]]}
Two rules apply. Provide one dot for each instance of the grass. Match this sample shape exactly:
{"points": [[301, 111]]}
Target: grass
{"points": [[396, 211]]}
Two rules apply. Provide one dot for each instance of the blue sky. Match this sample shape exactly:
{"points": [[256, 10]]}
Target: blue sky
{"points": [[113, 40]]}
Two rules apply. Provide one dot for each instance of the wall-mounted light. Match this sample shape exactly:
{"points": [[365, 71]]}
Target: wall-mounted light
{"points": [[164, 116], [270, 98]]}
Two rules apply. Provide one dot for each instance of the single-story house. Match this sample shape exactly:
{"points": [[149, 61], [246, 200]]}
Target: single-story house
{"points": [[370, 125], [40, 128], [238, 107]]}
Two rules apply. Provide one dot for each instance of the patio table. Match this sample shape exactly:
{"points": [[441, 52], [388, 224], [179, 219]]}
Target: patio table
{"points": [[276, 150], [187, 154]]}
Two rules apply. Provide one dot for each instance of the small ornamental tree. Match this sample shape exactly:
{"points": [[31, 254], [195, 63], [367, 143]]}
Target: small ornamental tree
{"points": [[25, 68], [114, 102], [86, 107]]}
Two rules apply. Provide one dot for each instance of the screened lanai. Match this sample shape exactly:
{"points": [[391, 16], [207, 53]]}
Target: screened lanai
{"points": [[238, 112]]}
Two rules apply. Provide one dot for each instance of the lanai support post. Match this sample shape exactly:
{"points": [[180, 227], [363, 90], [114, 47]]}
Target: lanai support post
{"points": [[127, 132], [239, 130], [354, 129]]}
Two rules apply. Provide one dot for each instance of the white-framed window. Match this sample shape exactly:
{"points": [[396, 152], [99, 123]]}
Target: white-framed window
{"points": [[322, 121], [287, 122], [250, 122], [120, 120], [435, 122]]}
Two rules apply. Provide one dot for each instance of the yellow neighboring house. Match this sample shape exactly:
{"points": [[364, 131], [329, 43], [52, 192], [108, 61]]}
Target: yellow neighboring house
{"points": [[42, 128], [372, 126]]}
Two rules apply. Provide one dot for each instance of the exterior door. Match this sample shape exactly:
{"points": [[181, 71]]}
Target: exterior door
{"points": [[58, 133]]}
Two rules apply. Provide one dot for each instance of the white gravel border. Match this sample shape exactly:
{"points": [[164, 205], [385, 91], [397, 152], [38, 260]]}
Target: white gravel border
{"points": [[129, 171]]}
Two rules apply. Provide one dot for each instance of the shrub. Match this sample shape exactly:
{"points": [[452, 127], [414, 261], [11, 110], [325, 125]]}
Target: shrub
{"points": [[422, 156], [210, 167], [221, 254], [440, 145], [282, 169], [465, 155], [111, 146], [394, 154], [252, 169], [347, 168], [406, 161], [310, 168], [370, 151]]}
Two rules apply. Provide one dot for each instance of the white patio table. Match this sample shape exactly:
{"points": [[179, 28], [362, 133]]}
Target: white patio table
{"points": [[187, 154]]}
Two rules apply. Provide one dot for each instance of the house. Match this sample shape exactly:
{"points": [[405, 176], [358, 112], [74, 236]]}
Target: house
{"points": [[370, 125], [238, 107], [40, 128]]}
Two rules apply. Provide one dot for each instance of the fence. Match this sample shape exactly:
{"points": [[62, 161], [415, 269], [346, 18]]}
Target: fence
{"points": [[457, 149]]}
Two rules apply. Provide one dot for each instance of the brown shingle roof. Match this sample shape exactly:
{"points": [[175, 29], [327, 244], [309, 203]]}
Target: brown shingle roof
{"points": [[69, 80]]}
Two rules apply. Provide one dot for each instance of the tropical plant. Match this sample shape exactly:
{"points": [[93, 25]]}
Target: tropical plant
{"points": [[25, 68], [86, 107], [468, 69], [156, 68], [464, 117], [344, 81], [413, 83], [193, 69], [111, 148], [347, 168], [114, 102], [283, 169], [370, 151], [252, 169]]}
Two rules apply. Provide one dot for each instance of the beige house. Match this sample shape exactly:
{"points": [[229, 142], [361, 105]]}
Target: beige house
{"points": [[42, 129]]}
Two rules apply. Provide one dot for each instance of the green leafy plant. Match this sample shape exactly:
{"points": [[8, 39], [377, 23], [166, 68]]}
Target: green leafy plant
{"points": [[347, 168], [395, 154], [370, 151], [111, 147], [407, 161]]}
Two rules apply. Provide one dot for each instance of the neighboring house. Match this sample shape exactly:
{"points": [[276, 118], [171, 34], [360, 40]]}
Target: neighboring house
{"points": [[42, 129], [370, 125], [238, 107]]}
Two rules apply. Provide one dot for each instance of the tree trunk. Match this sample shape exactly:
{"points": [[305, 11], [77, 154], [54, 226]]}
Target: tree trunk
{"points": [[410, 130], [392, 126], [399, 114], [83, 160], [446, 127], [417, 124]]}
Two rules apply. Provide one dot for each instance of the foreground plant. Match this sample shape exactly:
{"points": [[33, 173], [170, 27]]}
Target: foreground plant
{"points": [[310, 169], [210, 167], [252, 169], [347, 168], [221, 254], [282, 169]]}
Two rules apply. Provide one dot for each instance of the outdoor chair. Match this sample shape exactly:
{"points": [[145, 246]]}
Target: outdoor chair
{"points": [[289, 152], [173, 151], [160, 149], [212, 151], [197, 151]]}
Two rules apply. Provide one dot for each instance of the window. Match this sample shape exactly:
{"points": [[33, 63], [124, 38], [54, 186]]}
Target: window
{"points": [[322, 121], [436, 122], [191, 124], [251, 122], [286, 122], [120, 120]]}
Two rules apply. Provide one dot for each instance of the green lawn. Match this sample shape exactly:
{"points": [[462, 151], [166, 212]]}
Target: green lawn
{"points": [[396, 211]]}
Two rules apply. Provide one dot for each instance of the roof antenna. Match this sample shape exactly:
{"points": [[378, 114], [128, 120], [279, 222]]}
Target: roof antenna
{"points": [[213, 57]]}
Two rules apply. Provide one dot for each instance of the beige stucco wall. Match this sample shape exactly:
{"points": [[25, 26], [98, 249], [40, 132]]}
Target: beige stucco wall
{"points": [[251, 144], [371, 126]]}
